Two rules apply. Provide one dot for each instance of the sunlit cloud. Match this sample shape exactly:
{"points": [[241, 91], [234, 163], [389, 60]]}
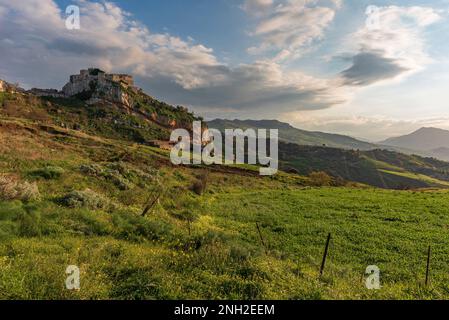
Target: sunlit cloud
{"points": [[390, 45]]}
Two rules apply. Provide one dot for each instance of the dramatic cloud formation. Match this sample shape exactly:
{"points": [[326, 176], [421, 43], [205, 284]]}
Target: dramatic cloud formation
{"points": [[34, 39], [38, 51], [391, 44], [35, 42], [290, 27], [260, 89]]}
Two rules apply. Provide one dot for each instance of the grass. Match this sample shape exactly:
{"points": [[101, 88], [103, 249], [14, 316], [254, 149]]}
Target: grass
{"points": [[203, 247], [421, 177], [125, 256]]}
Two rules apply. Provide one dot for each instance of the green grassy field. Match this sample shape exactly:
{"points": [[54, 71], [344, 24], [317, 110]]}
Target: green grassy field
{"points": [[92, 192]]}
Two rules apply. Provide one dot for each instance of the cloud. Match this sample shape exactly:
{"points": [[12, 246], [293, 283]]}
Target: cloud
{"points": [[257, 7], [108, 38], [260, 89], [370, 67], [390, 46], [37, 50], [290, 28]]}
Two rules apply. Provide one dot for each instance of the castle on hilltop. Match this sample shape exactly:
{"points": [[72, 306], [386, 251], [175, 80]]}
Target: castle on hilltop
{"points": [[92, 78], [94, 85]]}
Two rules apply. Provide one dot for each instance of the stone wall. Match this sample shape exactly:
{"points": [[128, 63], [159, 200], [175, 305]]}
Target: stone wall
{"points": [[101, 85], [47, 93]]}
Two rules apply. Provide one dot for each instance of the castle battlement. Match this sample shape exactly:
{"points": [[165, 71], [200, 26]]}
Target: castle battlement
{"points": [[100, 84]]}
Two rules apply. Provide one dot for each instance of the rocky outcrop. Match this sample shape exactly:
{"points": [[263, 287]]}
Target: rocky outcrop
{"points": [[10, 88], [95, 85]]}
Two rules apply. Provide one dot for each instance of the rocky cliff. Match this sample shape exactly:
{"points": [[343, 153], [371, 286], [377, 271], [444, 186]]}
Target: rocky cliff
{"points": [[94, 85]]}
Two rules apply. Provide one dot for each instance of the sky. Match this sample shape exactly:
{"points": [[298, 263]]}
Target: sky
{"points": [[370, 69]]}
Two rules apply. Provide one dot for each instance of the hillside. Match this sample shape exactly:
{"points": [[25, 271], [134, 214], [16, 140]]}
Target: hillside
{"points": [[380, 168], [431, 141], [143, 119], [80, 186], [109, 109], [376, 167], [71, 198], [290, 134]]}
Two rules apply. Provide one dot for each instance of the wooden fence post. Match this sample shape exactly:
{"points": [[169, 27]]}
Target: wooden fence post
{"points": [[326, 250], [428, 266]]}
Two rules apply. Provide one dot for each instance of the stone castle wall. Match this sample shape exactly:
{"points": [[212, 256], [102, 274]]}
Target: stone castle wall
{"points": [[47, 93], [103, 86]]}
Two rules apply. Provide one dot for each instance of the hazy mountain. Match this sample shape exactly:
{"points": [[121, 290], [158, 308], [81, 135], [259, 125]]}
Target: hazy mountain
{"points": [[289, 134], [431, 140]]}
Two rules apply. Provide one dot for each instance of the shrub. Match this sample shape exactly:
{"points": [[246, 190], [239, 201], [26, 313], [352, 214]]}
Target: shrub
{"points": [[136, 228], [320, 179], [12, 189], [29, 223], [119, 181], [28, 191], [85, 199], [116, 173], [340, 182], [49, 172], [199, 186], [91, 169]]}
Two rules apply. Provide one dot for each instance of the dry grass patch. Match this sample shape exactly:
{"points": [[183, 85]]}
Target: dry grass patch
{"points": [[11, 188]]}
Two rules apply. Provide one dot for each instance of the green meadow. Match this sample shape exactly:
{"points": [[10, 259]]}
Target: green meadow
{"points": [[73, 199]]}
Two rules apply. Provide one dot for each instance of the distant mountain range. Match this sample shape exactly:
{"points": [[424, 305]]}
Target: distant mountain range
{"points": [[428, 141], [348, 158], [290, 134], [425, 142]]}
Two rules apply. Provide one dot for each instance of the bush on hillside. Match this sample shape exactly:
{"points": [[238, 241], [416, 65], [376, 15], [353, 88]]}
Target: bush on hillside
{"points": [[91, 169], [48, 172], [85, 199], [131, 227], [200, 185], [122, 175], [29, 223], [320, 179], [13, 189]]}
